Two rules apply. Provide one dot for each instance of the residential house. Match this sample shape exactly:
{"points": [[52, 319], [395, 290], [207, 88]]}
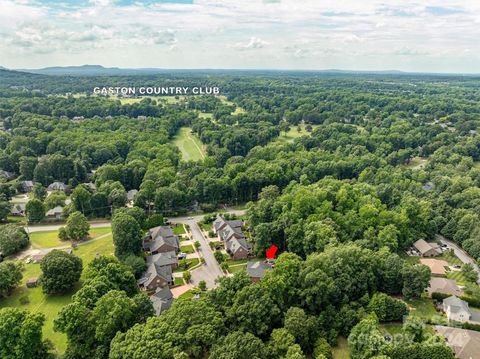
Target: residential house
{"points": [[18, 209], [257, 270], [156, 277], [162, 300], [8, 175], [456, 310], [27, 186], [465, 344], [164, 259], [427, 249], [57, 186], [231, 234], [238, 248], [160, 240], [131, 195], [437, 266], [54, 213], [444, 285]]}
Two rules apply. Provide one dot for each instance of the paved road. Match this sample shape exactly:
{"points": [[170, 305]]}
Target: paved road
{"points": [[460, 253], [55, 227]]}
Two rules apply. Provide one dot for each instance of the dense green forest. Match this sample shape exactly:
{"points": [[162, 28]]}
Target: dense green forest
{"points": [[377, 162]]}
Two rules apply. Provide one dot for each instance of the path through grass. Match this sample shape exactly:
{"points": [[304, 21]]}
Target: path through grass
{"points": [[190, 146]]}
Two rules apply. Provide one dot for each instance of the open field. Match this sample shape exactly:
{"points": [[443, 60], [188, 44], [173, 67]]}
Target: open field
{"points": [[51, 305], [293, 133], [190, 146], [422, 308], [417, 163], [341, 350], [50, 239]]}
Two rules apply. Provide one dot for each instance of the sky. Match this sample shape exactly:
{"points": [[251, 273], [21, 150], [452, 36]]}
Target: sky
{"points": [[370, 35]]}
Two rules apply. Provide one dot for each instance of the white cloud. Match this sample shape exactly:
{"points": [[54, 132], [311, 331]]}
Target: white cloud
{"points": [[253, 43]]}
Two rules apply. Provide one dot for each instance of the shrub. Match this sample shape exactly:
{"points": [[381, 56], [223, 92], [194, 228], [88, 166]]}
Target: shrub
{"points": [[219, 257]]}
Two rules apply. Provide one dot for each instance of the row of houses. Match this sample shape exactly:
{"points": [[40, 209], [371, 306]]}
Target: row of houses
{"points": [[18, 209], [162, 246], [231, 234]]}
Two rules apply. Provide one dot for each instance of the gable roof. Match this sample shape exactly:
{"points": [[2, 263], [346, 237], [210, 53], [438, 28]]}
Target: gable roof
{"points": [[444, 285], [258, 269], [456, 304], [54, 211], [464, 343], [153, 271], [57, 186], [18, 208], [163, 259], [423, 246], [437, 266], [234, 244], [162, 300], [159, 236]]}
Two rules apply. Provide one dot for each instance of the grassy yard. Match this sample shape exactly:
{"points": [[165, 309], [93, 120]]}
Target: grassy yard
{"points": [[192, 262], [452, 260], [341, 350], [293, 133], [180, 229], [232, 262], [187, 249], [179, 281], [422, 308], [51, 305], [50, 239], [205, 226], [237, 268], [190, 146]]}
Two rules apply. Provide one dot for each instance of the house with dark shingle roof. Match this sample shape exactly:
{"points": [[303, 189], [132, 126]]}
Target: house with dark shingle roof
{"points": [[27, 186], [257, 270], [162, 300], [164, 259], [18, 209], [160, 240], [427, 249], [230, 232], [156, 277]]}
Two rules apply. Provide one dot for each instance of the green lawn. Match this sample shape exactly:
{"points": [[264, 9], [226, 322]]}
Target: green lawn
{"points": [[452, 260], [50, 239], [187, 249], [293, 133], [232, 262], [422, 308], [179, 229], [341, 350], [190, 146], [205, 226], [51, 305], [192, 262], [235, 269], [179, 281]]}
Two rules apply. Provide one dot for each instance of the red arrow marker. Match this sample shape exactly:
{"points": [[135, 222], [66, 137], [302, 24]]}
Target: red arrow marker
{"points": [[271, 251]]}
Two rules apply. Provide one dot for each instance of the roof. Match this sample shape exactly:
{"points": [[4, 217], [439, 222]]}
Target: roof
{"points": [[456, 304], [54, 211], [159, 236], [153, 271], [57, 186], [27, 184], [235, 244], [7, 175], [423, 247], [443, 285], [163, 259], [258, 269], [464, 343], [437, 266], [162, 300], [131, 194], [18, 208]]}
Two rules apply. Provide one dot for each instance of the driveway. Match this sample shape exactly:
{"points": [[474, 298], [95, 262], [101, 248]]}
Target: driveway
{"points": [[460, 253]]}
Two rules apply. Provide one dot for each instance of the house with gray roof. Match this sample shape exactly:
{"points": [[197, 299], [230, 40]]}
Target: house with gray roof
{"points": [[457, 310], [57, 186], [445, 286], [8, 175], [27, 186], [238, 248], [160, 240], [164, 259], [155, 277], [257, 270], [18, 209], [162, 300], [231, 234]]}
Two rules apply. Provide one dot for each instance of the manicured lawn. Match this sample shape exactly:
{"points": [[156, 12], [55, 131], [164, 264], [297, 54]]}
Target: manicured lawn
{"points": [[293, 133], [16, 219], [391, 328], [191, 293], [179, 281], [205, 226], [235, 269], [179, 229], [192, 262], [190, 146], [422, 308], [49, 239], [341, 350], [51, 305], [232, 262], [187, 249], [452, 260]]}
